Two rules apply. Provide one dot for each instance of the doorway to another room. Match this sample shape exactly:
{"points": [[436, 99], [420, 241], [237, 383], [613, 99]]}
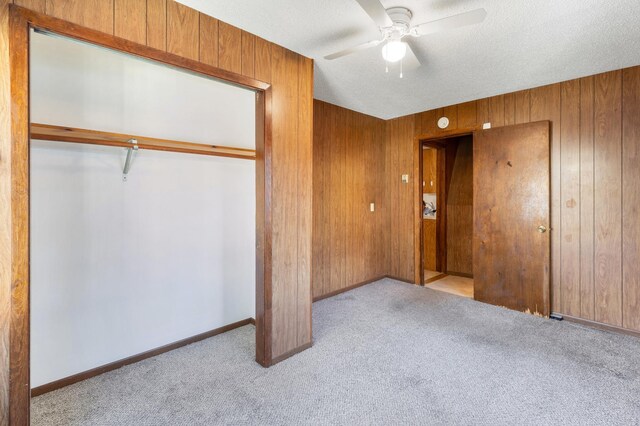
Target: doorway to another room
{"points": [[447, 214]]}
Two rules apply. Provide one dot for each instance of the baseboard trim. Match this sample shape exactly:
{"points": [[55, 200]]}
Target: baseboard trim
{"points": [[351, 287], [399, 279], [290, 353], [39, 390], [599, 325]]}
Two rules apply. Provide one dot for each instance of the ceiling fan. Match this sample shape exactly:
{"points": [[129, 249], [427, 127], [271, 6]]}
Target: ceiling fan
{"points": [[395, 24]]}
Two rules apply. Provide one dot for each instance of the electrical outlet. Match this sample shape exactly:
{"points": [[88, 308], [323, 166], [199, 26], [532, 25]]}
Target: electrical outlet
{"points": [[405, 178]]}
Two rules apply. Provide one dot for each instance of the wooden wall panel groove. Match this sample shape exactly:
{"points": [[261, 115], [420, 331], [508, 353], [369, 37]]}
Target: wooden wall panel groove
{"points": [[157, 24], [130, 20], [631, 198], [262, 60], [608, 198], [522, 104], [208, 40], [570, 198], [229, 48], [94, 14], [248, 54], [183, 30], [587, 205]]}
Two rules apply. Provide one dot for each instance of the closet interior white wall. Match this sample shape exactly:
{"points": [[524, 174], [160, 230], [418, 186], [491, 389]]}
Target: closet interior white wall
{"points": [[121, 267]]}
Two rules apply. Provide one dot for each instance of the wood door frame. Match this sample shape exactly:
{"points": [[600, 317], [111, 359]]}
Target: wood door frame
{"points": [[439, 143], [21, 21]]}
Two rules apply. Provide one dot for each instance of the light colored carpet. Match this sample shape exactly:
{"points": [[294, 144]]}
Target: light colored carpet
{"points": [[385, 353]]}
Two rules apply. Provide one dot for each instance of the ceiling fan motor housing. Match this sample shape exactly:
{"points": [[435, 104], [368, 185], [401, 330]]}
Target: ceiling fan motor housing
{"points": [[401, 17]]}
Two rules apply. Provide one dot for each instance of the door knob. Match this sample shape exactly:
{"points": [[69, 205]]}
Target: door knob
{"points": [[542, 229]]}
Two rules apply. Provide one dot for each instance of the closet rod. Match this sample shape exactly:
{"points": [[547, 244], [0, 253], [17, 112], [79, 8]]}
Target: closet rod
{"points": [[50, 132]]}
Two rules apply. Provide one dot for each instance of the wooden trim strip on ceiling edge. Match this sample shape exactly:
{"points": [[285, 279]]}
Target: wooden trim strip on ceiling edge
{"points": [[49, 132]]}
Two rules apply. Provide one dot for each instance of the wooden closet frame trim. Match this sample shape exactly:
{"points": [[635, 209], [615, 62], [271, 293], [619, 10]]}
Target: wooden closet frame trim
{"points": [[21, 21], [438, 141]]}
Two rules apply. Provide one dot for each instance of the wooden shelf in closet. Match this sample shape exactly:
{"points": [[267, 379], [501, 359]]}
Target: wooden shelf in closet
{"points": [[68, 134]]}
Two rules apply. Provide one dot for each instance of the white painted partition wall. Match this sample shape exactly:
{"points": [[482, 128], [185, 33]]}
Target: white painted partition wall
{"points": [[118, 268]]}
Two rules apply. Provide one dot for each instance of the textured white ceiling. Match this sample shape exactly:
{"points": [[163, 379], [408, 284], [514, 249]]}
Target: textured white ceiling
{"points": [[521, 44]]}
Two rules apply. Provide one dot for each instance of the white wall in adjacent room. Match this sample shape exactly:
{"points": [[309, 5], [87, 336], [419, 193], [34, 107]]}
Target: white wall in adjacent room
{"points": [[118, 268]]}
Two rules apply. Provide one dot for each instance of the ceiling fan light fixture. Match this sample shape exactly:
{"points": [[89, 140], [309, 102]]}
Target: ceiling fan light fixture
{"points": [[394, 50]]}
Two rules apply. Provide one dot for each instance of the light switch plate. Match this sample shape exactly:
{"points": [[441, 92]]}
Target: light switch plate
{"points": [[372, 207], [405, 178], [486, 126]]}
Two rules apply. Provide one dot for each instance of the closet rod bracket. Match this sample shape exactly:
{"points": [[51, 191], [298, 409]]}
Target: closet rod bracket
{"points": [[127, 163]]}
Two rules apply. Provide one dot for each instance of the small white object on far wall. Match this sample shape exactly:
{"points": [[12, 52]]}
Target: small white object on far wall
{"points": [[443, 122], [486, 126], [405, 178], [372, 207]]}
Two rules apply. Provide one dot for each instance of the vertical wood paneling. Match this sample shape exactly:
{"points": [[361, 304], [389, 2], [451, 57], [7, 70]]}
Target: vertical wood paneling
{"points": [[491, 110], [349, 162], [285, 220], [36, 5], [400, 145], [426, 123], [337, 214], [229, 48], [545, 105], [304, 141], [587, 205], [263, 60], [467, 115], [208, 40], [570, 198], [522, 107], [608, 198], [157, 24], [95, 14], [5, 212], [130, 20], [510, 109], [183, 30], [248, 54], [631, 198], [321, 201]]}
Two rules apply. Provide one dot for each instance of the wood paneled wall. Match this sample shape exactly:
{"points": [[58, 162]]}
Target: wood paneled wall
{"points": [[5, 211], [460, 211], [169, 26], [401, 150], [349, 245], [595, 186]]}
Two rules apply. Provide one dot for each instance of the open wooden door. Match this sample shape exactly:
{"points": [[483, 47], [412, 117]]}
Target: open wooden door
{"points": [[511, 196]]}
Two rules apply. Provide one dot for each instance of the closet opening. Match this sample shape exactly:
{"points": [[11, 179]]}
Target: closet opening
{"points": [[143, 193], [446, 202]]}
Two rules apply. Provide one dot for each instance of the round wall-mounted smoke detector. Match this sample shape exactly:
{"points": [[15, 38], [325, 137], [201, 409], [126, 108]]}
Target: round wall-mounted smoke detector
{"points": [[443, 122]]}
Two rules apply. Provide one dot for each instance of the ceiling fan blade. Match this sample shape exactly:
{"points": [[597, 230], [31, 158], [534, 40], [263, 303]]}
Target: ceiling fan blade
{"points": [[376, 11], [410, 60], [461, 20], [353, 49]]}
